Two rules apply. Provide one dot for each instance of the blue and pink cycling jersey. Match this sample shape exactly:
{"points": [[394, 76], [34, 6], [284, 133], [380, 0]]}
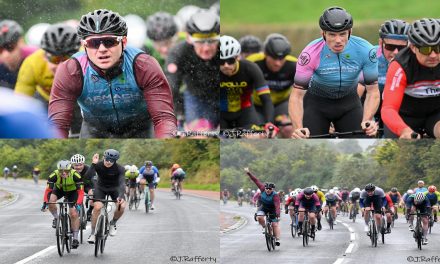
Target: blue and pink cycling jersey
{"points": [[335, 75]]}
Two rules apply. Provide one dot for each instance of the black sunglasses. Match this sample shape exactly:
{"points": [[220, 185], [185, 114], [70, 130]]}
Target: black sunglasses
{"points": [[8, 46], [229, 61], [428, 49], [270, 189], [110, 160], [392, 47], [108, 42]]}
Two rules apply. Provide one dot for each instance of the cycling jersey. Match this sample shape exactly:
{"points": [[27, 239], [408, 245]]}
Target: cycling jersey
{"points": [[344, 195], [354, 195], [422, 207], [378, 199], [411, 95], [240, 194], [290, 201], [433, 198], [131, 176], [35, 78], [312, 203], [405, 199], [8, 78], [332, 197], [112, 178], [66, 184], [321, 197], [270, 203], [119, 105], [236, 90], [394, 197], [280, 83], [336, 75], [422, 190]]}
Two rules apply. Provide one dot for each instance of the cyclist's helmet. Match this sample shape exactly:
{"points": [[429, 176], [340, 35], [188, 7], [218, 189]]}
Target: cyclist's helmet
{"points": [[292, 194], [60, 39], [203, 22], [229, 47], [184, 14], [420, 182], [111, 154], [331, 191], [335, 19], [14, 167], [175, 166], [133, 169], [215, 8], [64, 165], [35, 33], [277, 46], [77, 159], [314, 188], [410, 192], [102, 21], [394, 190], [148, 163], [269, 185], [370, 187], [336, 188], [10, 32], [394, 28], [161, 26], [127, 167], [250, 44], [241, 190], [432, 189], [419, 197], [357, 189], [308, 191], [425, 32]]}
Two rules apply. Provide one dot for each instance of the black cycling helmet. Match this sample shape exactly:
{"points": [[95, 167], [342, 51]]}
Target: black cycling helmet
{"points": [[10, 32], [269, 185], [394, 28], [102, 21], [111, 154], [425, 32], [277, 46], [308, 191], [161, 26], [335, 19], [394, 190], [60, 39], [204, 22], [250, 44], [370, 187]]}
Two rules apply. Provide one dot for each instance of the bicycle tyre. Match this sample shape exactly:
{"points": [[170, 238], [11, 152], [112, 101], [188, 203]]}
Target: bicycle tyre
{"points": [[374, 233], [137, 199], [382, 231], [293, 228], [59, 235], [330, 220], [68, 233], [147, 201], [98, 234], [82, 225], [267, 236], [305, 234]]}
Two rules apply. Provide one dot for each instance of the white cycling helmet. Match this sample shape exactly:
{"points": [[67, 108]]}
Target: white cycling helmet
{"points": [[184, 14], [314, 188], [419, 197], [133, 169], [127, 167], [63, 165], [292, 194], [136, 34], [357, 189], [229, 47], [331, 191], [410, 191], [77, 159], [14, 167], [34, 35]]}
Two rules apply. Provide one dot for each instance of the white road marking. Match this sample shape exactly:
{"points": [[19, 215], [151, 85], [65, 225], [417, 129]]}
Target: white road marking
{"points": [[339, 261], [36, 255]]}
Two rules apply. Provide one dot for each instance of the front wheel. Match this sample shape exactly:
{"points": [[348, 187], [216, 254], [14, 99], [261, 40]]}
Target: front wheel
{"points": [[268, 237], [60, 236], [68, 233], [99, 234]]}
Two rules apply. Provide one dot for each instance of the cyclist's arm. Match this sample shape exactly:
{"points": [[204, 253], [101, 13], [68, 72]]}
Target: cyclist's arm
{"points": [[277, 201], [121, 182], [259, 184], [50, 184], [296, 108], [370, 76], [79, 187], [262, 90], [371, 103], [392, 98], [361, 202], [157, 94], [26, 82], [66, 88]]}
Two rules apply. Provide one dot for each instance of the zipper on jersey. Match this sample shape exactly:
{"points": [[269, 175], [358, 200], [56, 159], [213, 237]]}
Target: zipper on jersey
{"points": [[113, 104], [340, 75]]}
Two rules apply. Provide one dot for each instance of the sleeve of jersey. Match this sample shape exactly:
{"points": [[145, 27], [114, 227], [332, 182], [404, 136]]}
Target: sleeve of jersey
{"points": [[50, 183], [306, 65], [26, 83], [260, 83], [259, 184], [172, 71], [66, 89], [121, 182], [370, 70], [389, 201], [79, 187], [277, 201], [157, 94], [394, 90]]}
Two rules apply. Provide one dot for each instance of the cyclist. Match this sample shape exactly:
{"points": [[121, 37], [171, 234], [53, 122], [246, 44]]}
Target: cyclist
{"points": [[405, 202], [195, 62], [114, 84], [162, 35], [395, 198], [393, 37], [289, 205], [36, 74], [411, 99], [6, 172], [179, 176], [150, 174], [12, 52], [36, 174], [344, 194], [389, 211], [270, 204], [307, 200], [354, 197], [420, 203], [240, 196], [131, 175], [332, 199], [78, 164], [278, 69], [65, 182], [14, 172], [434, 199], [238, 80], [332, 89], [322, 200], [372, 195], [225, 195], [111, 181], [250, 44], [420, 187]]}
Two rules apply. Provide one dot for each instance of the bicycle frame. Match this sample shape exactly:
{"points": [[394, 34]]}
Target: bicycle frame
{"points": [[63, 231]]}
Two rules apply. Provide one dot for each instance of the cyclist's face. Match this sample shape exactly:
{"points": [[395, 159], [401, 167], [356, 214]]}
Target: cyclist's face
{"points": [[430, 61], [11, 55], [108, 163], [102, 56], [275, 64], [390, 47], [269, 190], [205, 49], [370, 193], [336, 41], [228, 68], [164, 46], [78, 166], [308, 196], [64, 173]]}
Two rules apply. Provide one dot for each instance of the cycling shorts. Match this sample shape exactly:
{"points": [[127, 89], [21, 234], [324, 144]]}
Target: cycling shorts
{"points": [[417, 124], [71, 196], [272, 214], [101, 192], [245, 118], [331, 203], [376, 201]]}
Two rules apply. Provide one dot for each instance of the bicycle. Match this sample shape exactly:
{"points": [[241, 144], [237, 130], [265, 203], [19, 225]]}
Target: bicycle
{"points": [[102, 228], [269, 234], [418, 230], [82, 222], [344, 208], [329, 218], [354, 211], [383, 229], [134, 199], [372, 229], [177, 191], [294, 225], [306, 229], [431, 222], [63, 231], [240, 201]]}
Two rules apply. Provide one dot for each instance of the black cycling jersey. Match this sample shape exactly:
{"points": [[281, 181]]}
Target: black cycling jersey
{"points": [[113, 177]]}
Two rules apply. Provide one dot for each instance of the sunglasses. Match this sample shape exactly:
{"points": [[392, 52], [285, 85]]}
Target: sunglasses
{"points": [[270, 189], [56, 59], [8, 46], [229, 61], [64, 171], [392, 47], [108, 42], [109, 160], [208, 41], [428, 49]]}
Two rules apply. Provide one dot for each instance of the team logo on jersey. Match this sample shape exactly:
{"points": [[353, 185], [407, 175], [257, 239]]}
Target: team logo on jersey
{"points": [[347, 56], [94, 78], [304, 59], [372, 55]]}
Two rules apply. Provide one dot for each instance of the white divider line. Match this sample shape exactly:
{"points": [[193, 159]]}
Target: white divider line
{"points": [[352, 236], [339, 261], [352, 242], [36, 255], [350, 248]]}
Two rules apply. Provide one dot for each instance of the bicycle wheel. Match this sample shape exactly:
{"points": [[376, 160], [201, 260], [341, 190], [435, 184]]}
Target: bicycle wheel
{"points": [[147, 201], [330, 220], [268, 238], [99, 233], [419, 238], [431, 223], [293, 227], [374, 234], [68, 233], [137, 199], [82, 225], [305, 233], [130, 202], [382, 231], [105, 234], [60, 236]]}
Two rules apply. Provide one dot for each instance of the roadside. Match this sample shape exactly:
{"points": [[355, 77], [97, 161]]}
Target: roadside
{"points": [[213, 195]]}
